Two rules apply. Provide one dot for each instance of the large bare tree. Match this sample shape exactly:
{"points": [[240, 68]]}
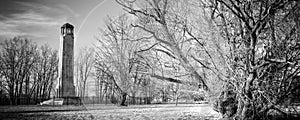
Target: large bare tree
{"points": [[263, 41], [173, 25]]}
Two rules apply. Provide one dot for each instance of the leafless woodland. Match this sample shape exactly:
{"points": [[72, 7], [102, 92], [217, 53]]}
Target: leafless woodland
{"points": [[242, 56]]}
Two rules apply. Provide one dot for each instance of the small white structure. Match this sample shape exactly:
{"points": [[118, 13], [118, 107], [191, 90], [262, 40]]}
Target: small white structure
{"points": [[55, 101]]}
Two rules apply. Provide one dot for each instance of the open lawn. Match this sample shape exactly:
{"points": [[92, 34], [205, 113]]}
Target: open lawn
{"points": [[110, 112]]}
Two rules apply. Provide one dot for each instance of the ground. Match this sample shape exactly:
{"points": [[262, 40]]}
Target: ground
{"points": [[111, 112]]}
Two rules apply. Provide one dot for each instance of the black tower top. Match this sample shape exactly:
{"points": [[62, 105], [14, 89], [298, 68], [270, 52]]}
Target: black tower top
{"points": [[67, 29]]}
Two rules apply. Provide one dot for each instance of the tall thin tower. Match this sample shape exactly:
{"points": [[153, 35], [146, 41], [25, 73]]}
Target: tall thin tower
{"points": [[67, 88]]}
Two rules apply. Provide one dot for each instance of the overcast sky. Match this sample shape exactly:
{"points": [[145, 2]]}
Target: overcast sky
{"points": [[40, 20]]}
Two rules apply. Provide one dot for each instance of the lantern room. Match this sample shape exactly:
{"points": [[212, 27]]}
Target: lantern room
{"points": [[67, 29]]}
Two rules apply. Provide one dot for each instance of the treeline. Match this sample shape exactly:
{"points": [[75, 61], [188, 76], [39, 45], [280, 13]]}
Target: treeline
{"points": [[27, 71]]}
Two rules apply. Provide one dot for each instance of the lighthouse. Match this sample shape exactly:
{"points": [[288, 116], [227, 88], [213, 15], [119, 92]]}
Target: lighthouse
{"points": [[66, 88], [67, 61]]}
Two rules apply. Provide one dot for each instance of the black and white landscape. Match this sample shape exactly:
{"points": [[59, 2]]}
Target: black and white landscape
{"points": [[150, 59]]}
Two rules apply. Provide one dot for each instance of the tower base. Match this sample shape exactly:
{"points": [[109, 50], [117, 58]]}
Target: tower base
{"points": [[63, 101], [72, 101]]}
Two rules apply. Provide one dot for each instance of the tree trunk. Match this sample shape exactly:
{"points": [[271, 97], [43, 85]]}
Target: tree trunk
{"points": [[176, 100], [11, 96], [16, 93], [106, 97], [100, 92], [20, 97], [133, 98], [246, 112], [124, 95], [27, 90], [97, 92]]}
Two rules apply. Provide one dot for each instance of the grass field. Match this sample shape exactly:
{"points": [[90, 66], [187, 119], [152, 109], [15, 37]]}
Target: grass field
{"points": [[110, 112]]}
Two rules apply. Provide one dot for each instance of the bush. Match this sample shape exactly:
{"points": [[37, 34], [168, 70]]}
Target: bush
{"points": [[226, 103], [113, 100]]}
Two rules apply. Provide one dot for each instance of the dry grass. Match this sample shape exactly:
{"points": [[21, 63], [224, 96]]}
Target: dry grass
{"points": [[111, 112]]}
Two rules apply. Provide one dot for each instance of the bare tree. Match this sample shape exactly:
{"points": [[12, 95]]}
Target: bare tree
{"points": [[45, 73], [118, 58], [170, 23], [83, 68], [17, 59], [27, 71], [263, 62]]}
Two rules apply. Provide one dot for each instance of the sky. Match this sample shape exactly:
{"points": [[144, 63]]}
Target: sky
{"points": [[40, 20]]}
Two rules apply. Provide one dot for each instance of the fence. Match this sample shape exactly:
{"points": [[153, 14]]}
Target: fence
{"points": [[84, 100], [131, 100], [115, 100]]}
